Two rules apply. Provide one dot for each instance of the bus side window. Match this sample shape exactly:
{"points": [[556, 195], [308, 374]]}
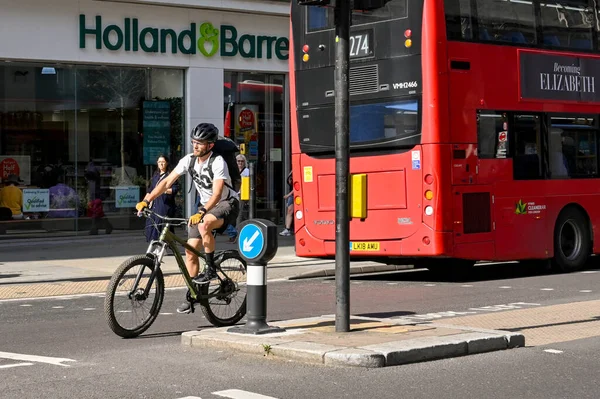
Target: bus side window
{"points": [[506, 21], [458, 19], [492, 135], [527, 160]]}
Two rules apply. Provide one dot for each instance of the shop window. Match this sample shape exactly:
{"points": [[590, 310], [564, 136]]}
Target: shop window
{"points": [[74, 136], [492, 134], [527, 155], [254, 115]]}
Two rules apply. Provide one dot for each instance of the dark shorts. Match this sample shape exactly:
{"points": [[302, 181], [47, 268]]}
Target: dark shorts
{"points": [[226, 210]]}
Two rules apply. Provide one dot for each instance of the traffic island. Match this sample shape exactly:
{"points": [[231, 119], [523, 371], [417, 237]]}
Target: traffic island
{"points": [[370, 343]]}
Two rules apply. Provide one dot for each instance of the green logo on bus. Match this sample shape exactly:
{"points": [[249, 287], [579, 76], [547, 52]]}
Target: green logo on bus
{"points": [[521, 208]]}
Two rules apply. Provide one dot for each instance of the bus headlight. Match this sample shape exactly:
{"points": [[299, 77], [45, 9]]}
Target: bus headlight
{"points": [[299, 215], [429, 210]]}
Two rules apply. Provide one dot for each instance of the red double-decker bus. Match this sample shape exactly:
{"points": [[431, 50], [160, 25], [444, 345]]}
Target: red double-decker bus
{"points": [[475, 123]]}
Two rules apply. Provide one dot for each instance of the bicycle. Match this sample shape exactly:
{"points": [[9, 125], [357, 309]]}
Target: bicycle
{"points": [[229, 288]]}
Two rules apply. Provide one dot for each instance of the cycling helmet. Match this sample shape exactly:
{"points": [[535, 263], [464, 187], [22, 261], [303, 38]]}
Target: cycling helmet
{"points": [[205, 132]]}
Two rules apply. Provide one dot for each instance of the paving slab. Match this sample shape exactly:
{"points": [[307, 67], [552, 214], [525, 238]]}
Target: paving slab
{"points": [[371, 343]]}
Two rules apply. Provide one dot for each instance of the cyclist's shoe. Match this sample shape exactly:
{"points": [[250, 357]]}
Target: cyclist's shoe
{"points": [[184, 308], [205, 278]]}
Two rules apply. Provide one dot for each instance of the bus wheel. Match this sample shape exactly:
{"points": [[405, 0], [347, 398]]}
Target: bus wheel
{"points": [[572, 241]]}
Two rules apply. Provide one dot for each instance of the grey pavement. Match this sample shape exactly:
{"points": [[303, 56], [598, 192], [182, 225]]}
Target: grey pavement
{"points": [[80, 258], [371, 342]]}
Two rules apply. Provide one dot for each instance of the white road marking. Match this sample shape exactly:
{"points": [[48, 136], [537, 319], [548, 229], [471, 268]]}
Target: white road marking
{"points": [[552, 351], [58, 307], [57, 361], [124, 311], [546, 289], [239, 394], [7, 366], [165, 314], [392, 283], [589, 272], [429, 285], [585, 291], [505, 287], [86, 309], [466, 285], [26, 305], [191, 397]]}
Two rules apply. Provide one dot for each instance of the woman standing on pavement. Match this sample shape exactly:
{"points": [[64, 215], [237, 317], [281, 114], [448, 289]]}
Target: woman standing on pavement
{"points": [[163, 205]]}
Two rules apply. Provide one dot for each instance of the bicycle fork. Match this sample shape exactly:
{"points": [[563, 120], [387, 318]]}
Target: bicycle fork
{"points": [[156, 250]]}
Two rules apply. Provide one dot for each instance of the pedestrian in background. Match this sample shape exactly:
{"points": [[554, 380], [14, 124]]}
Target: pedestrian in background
{"points": [[164, 204]]}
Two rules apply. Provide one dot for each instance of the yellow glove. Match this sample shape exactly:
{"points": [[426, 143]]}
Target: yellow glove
{"points": [[197, 218], [141, 205]]}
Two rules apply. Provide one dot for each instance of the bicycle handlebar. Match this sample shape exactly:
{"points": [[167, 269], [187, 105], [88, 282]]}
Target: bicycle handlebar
{"points": [[176, 221]]}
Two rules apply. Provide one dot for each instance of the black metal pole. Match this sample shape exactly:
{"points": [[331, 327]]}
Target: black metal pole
{"points": [[342, 166], [252, 201]]}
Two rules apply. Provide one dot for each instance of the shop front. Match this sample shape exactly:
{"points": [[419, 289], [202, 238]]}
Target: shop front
{"points": [[93, 93]]}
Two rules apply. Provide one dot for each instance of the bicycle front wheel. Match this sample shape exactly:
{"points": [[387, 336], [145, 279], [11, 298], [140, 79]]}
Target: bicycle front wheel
{"points": [[129, 311], [225, 304]]}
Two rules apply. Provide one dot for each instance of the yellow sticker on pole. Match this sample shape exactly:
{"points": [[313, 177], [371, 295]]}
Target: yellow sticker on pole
{"points": [[308, 174]]}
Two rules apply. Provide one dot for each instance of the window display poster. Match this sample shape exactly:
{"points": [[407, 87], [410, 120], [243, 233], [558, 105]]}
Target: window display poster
{"points": [[157, 130], [19, 165], [36, 200], [127, 196]]}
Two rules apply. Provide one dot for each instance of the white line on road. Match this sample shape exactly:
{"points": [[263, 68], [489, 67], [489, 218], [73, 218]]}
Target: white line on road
{"points": [[57, 361], [589, 272], [239, 394], [429, 285], [165, 314], [26, 305], [546, 289], [7, 366], [585, 291], [552, 351], [466, 285], [58, 307], [86, 309], [505, 287]]}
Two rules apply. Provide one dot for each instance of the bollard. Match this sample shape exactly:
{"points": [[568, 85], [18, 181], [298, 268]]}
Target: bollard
{"points": [[257, 244]]}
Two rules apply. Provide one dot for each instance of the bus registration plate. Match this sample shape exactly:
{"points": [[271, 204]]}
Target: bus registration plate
{"points": [[364, 246]]}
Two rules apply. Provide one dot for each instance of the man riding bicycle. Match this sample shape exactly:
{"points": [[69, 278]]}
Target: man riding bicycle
{"points": [[219, 203]]}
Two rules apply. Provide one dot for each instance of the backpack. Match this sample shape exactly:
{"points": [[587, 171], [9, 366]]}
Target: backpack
{"points": [[228, 149]]}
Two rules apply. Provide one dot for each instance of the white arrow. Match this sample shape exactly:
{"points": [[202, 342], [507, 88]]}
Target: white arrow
{"points": [[247, 246]]}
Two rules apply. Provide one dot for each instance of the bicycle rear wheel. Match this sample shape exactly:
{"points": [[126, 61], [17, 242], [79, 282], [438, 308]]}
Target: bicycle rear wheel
{"points": [[226, 304], [140, 310]]}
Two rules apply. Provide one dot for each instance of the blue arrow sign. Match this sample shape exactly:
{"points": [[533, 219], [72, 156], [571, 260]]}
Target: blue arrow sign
{"points": [[251, 241]]}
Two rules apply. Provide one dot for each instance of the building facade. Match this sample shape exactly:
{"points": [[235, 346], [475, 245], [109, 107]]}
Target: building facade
{"points": [[93, 92]]}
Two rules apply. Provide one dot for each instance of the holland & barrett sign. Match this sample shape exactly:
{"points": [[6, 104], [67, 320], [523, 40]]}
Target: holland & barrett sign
{"points": [[127, 196], [205, 39]]}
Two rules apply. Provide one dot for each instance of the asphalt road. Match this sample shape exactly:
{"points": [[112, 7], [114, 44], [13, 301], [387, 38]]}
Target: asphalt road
{"points": [[156, 365]]}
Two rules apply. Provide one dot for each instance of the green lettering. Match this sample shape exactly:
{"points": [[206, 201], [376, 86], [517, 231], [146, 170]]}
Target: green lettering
{"points": [[188, 33], [251, 39], [259, 45], [282, 44], [85, 31], [127, 34], [228, 42], [208, 35], [136, 38], [106, 37], [270, 41], [163, 40], [154, 34]]}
